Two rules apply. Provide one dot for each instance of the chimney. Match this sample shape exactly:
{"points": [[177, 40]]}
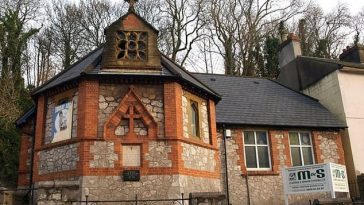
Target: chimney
{"points": [[354, 54], [289, 50]]}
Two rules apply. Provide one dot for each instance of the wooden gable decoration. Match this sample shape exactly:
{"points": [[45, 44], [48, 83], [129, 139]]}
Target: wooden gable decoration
{"points": [[133, 117], [131, 46]]}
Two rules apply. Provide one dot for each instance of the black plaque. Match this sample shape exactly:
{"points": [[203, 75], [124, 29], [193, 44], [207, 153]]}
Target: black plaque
{"points": [[131, 175]]}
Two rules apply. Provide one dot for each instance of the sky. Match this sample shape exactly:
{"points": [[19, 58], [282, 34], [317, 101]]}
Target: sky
{"points": [[354, 5]]}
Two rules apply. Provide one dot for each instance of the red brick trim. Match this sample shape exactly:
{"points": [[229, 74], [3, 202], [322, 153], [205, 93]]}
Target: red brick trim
{"points": [[212, 122], [88, 105], [40, 126], [130, 99], [173, 110], [316, 147]]}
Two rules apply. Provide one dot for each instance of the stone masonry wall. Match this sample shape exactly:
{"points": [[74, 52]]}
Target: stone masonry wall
{"points": [[196, 157], [267, 187], [149, 187], [158, 154], [204, 116], [59, 192], [150, 95], [103, 154], [58, 159], [51, 104]]}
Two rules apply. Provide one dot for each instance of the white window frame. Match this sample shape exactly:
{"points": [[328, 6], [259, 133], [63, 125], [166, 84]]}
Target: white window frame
{"points": [[300, 146], [256, 150]]}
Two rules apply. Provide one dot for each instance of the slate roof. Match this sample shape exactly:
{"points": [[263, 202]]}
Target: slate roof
{"points": [[263, 102], [71, 73], [24, 118], [91, 65]]}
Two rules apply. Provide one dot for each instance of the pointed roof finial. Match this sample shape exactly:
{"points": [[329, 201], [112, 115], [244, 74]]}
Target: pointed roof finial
{"points": [[131, 4]]}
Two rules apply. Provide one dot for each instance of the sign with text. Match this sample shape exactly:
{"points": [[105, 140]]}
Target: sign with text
{"points": [[306, 179], [62, 122], [131, 175], [339, 178], [328, 177]]}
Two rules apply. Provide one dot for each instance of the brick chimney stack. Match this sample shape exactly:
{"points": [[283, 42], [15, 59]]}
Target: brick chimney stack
{"points": [[353, 54]]}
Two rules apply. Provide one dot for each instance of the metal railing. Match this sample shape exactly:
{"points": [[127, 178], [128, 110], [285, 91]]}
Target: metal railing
{"points": [[136, 201]]}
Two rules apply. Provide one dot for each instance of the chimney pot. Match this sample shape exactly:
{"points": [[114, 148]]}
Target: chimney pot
{"points": [[353, 54]]}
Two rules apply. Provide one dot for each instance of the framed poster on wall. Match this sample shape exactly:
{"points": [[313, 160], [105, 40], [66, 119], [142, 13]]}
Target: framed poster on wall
{"points": [[62, 122]]}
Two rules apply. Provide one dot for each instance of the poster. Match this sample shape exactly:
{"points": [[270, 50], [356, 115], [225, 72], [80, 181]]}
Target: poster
{"points": [[62, 122]]}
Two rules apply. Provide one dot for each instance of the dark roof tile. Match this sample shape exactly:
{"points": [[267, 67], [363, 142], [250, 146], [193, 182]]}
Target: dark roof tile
{"points": [[257, 101]]}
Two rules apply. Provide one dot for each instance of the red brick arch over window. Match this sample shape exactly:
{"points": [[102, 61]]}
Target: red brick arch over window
{"points": [[131, 108]]}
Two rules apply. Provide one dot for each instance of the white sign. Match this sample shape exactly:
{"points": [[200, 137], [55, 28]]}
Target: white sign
{"points": [[62, 122], [306, 179], [339, 178], [328, 177]]}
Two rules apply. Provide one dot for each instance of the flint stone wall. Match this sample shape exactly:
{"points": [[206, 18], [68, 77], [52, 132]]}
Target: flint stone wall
{"points": [[149, 187], [150, 95], [51, 104], [58, 159], [204, 117], [103, 154], [329, 148], [199, 158], [265, 189], [157, 155]]}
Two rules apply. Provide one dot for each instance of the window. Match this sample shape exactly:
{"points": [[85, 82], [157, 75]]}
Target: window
{"points": [[256, 148], [301, 148], [133, 45], [195, 123]]}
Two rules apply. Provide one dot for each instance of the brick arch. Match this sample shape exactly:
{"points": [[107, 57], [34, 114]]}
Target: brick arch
{"points": [[132, 108]]}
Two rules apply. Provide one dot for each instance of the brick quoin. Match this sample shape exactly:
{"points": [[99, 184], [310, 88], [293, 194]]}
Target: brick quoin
{"points": [[173, 110], [88, 105], [24, 156]]}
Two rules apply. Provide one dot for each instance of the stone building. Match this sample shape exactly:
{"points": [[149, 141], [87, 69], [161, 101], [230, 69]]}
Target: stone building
{"points": [[126, 120]]}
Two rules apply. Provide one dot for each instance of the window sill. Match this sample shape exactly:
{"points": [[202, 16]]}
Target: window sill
{"points": [[260, 173]]}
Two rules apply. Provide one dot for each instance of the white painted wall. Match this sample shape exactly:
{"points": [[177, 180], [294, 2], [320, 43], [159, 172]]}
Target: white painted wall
{"points": [[342, 93], [352, 87]]}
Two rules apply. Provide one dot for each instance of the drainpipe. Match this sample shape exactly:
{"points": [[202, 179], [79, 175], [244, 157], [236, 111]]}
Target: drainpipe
{"points": [[31, 184], [226, 165], [247, 186]]}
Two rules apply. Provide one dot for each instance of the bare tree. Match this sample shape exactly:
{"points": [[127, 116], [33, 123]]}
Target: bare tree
{"points": [[93, 22], [67, 31], [358, 25], [184, 25], [325, 35], [240, 26]]}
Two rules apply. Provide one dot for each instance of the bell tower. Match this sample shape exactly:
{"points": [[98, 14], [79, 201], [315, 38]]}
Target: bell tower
{"points": [[131, 45]]}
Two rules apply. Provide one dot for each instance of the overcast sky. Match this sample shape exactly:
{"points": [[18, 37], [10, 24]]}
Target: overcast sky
{"points": [[354, 5]]}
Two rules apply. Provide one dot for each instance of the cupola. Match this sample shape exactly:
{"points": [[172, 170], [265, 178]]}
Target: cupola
{"points": [[131, 45]]}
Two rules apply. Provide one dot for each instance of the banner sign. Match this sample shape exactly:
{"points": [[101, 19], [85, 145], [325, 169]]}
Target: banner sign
{"points": [[306, 179], [62, 122], [328, 177]]}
